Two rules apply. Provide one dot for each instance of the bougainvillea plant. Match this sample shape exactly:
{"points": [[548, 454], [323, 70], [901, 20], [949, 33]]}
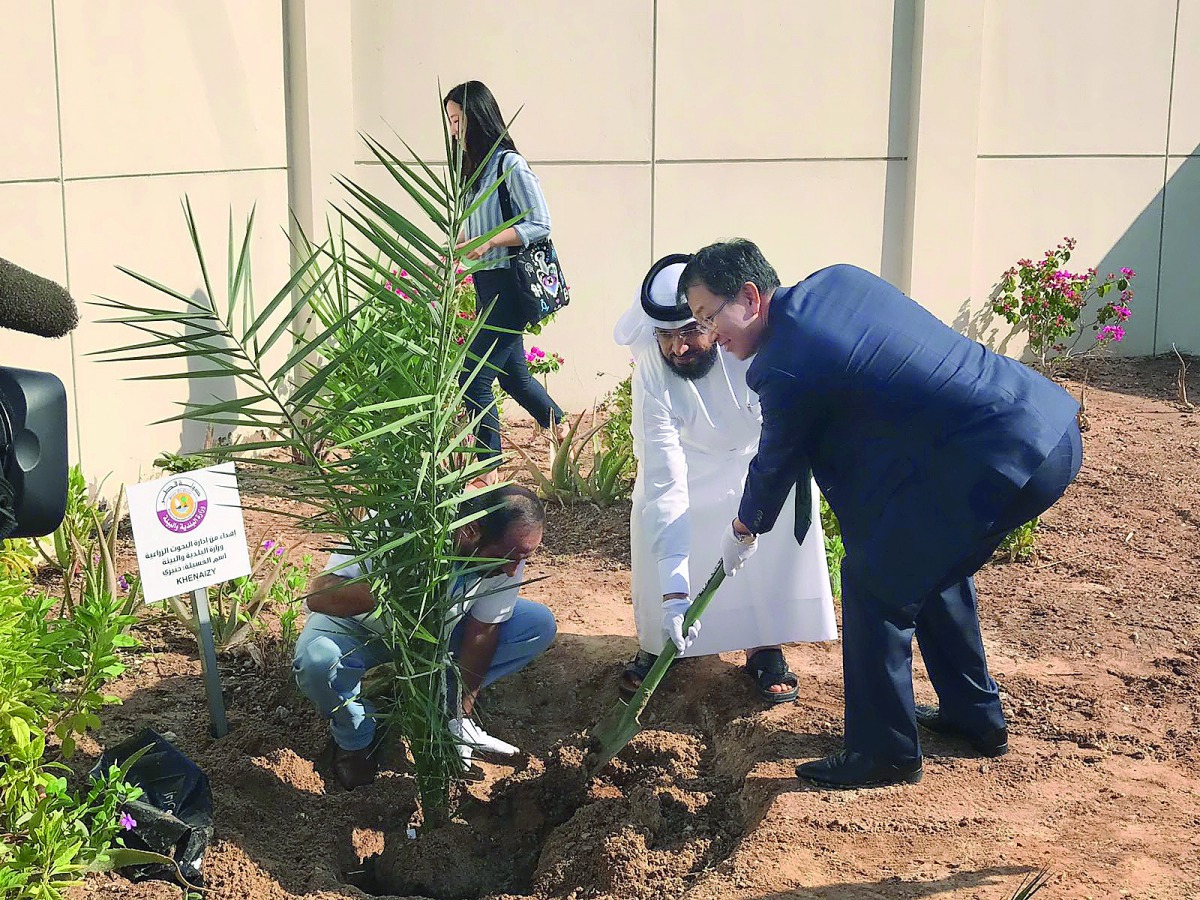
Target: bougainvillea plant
{"points": [[1051, 304]]}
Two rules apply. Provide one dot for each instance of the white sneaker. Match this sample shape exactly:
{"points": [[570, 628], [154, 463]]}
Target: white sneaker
{"points": [[472, 737]]}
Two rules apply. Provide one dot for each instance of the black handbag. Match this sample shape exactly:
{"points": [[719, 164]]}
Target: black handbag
{"points": [[541, 287]]}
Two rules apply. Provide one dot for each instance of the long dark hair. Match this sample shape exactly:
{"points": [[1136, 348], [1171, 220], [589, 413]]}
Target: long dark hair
{"points": [[481, 126]]}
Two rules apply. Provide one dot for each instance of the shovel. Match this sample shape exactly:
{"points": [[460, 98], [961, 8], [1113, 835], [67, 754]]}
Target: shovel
{"points": [[621, 723]]}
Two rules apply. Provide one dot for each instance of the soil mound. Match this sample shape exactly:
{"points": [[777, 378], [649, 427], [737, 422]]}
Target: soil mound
{"points": [[655, 816]]}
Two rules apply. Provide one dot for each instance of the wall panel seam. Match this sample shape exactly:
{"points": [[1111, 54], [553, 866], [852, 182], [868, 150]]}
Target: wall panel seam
{"points": [[121, 177], [62, 195], [780, 159], [1070, 156], [653, 123], [537, 162], [1162, 212]]}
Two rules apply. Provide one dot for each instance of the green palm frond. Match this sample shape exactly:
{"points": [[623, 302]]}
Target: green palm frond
{"points": [[336, 359]]}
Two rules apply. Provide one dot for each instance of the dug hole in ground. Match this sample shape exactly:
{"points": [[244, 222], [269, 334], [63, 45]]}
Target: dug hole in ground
{"points": [[1094, 643]]}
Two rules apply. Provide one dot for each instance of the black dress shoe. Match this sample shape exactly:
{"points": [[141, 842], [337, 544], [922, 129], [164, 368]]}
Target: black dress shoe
{"points": [[846, 769], [993, 742]]}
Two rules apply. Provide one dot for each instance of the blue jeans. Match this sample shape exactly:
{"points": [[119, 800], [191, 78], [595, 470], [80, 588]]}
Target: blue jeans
{"points": [[334, 653], [505, 360]]}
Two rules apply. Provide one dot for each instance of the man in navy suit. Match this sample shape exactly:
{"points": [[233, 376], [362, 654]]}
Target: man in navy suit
{"points": [[929, 448]]}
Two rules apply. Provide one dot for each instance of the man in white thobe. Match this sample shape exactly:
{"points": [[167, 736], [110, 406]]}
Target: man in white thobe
{"points": [[695, 429]]}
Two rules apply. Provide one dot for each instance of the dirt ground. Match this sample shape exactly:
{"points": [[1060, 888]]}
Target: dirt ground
{"points": [[1095, 644]]}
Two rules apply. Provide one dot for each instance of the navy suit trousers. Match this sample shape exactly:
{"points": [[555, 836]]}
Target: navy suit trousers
{"points": [[878, 632]]}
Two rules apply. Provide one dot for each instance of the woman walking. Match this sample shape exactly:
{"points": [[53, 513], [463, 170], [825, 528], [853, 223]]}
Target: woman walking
{"points": [[476, 125]]}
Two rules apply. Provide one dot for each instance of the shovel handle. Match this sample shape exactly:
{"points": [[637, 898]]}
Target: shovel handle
{"points": [[639, 700]]}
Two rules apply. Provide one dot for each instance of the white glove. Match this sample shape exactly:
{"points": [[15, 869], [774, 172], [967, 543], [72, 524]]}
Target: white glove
{"points": [[734, 553], [673, 613], [470, 737]]}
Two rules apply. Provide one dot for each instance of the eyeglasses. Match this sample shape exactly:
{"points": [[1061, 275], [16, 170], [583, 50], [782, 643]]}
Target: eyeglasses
{"points": [[668, 336], [710, 322]]}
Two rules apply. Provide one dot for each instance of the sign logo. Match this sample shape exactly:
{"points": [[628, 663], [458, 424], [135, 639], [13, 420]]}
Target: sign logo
{"points": [[181, 505]]}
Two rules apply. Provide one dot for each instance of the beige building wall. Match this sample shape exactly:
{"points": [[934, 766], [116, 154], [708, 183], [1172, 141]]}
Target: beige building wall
{"points": [[931, 141], [123, 108]]}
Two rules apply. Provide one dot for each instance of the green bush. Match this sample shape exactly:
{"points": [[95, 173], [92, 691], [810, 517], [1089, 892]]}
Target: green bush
{"points": [[1019, 544], [566, 480], [618, 433], [237, 605], [835, 550], [52, 672], [18, 559]]}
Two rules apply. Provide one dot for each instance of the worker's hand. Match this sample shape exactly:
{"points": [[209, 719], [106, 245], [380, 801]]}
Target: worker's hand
{"points": [[470, 737], [734, 552], [673, 613]]}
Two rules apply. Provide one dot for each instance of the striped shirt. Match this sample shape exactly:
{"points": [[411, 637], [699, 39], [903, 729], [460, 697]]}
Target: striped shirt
{"points": [[526, 195]]}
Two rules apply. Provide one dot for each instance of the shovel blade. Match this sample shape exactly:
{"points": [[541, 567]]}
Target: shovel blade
{"points": [[622, 722], [618, 727]]}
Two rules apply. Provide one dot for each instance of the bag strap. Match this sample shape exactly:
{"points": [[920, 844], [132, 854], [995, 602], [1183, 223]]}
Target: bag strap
{"points": [[506, 207]]}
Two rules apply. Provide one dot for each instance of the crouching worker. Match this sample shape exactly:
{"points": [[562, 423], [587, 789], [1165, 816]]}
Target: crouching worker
{"points": [[494, 633]]}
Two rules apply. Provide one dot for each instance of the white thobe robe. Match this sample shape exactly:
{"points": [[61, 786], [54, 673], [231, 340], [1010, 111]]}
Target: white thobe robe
{"points": [[694, 441]]}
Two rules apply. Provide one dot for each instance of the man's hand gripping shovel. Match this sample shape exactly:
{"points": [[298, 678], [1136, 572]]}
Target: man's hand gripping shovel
{"points": [[621, 723]]}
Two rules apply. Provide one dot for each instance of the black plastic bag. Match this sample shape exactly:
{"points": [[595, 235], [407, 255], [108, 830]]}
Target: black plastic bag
{"points": [[174, 813]]}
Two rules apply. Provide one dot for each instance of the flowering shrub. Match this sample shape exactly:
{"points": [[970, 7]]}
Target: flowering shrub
{"points": [[463, 303], [1048, 301], [542, 363]]}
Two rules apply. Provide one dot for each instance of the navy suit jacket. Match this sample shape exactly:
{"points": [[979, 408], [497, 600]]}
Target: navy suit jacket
{"points": [[917, 436]]}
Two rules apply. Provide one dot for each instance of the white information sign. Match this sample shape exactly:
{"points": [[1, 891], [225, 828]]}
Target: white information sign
{"points": [[188, 531]]}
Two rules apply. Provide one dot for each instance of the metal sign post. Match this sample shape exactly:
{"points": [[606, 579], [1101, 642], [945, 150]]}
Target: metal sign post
{"points": [[189, 535], [208, 661]]}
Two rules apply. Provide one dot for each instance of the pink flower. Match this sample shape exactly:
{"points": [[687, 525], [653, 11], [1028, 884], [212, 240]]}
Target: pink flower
{"points": [[1128, 272], [470, 279], [1113, 333], [459, 341], [1123, 312], [127, 821], [279, 551], [268, 544]]}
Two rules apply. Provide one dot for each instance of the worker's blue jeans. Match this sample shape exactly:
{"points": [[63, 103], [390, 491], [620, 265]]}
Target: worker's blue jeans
{"points": [[334, 653]]}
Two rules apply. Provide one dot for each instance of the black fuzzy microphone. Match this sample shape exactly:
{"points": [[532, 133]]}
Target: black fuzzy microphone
{"points": [[34, 305]]}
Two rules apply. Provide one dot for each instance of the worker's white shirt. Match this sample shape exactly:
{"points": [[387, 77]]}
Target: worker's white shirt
{"points": [[489, 599], [694, 441]]}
